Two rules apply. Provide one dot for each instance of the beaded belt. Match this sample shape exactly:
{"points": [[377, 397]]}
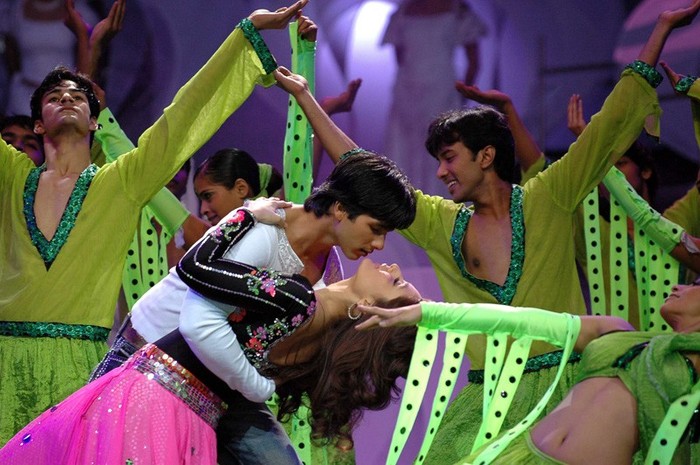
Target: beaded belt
{"points": [[536, 363], [166, 371], [45, 329]]}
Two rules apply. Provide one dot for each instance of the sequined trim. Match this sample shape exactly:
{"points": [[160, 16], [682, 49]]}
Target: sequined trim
{"points": [[49, 249], [42, 329], [251, 33], [684, 84], [533, 364], [167, 372], [647, 71], [503, 294]]}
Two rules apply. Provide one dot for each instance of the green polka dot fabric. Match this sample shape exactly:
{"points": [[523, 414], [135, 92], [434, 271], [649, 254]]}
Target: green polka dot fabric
{"points": [[591, 224], [146, 260], [502, 374], [655, 271], [298, 140], [674, 425]]}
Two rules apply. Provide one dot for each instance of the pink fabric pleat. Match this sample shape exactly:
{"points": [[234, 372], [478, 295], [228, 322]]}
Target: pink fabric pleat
{"points": [[121, 418]]}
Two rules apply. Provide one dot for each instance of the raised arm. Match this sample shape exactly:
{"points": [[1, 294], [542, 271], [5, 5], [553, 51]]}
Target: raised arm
{"points": [[92, 41], [526, 149], [690, 87], [493, 318], [340, 103], [202, 105], [333, 139], [574, 115], [665, 24]]}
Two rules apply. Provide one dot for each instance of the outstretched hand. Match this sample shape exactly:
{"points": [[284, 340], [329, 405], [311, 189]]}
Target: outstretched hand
{"points": [[342, 102], [673, 77], [266, 19], [106, 29], [74, 21], [680, 17], [265, 210], [385, 317], [492, 97], [93, 40], [292, 83], [574, 115]]}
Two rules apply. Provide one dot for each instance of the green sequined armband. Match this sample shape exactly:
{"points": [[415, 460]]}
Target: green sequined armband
{"points": [[684, 85], [647, 71], [350, 153], [251, 33], [54, 330]]}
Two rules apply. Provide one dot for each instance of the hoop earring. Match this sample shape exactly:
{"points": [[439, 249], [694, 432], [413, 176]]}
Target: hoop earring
{"points": [[351, 315]]}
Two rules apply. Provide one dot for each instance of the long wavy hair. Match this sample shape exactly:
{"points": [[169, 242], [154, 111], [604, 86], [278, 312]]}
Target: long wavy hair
{"points": [[353, 370]]}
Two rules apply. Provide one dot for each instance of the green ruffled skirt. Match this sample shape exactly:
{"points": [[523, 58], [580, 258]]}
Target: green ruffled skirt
{"points": [[39, 372], [455, 436], [311, 454]]}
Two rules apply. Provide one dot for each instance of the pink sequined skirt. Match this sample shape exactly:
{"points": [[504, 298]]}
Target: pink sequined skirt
{"points": [[150, 411]]}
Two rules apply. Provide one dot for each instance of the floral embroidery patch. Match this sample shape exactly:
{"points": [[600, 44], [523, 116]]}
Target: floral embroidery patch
{"points": [[262, 337], [232, 225], [237, 315], [265, 280]]}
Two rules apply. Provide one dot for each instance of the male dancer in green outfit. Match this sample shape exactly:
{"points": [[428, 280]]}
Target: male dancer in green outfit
{"points": [[58, 281]]}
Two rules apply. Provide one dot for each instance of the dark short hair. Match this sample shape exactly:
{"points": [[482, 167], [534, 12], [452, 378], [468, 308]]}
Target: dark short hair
{"points": [[367, 184], [227, 165], [54, 78], [476, 128], [22, 121]]}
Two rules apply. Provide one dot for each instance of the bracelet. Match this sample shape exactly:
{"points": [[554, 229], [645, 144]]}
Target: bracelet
{"points": [[251, 33], [647, 71], [684, 85], [350, 153]]}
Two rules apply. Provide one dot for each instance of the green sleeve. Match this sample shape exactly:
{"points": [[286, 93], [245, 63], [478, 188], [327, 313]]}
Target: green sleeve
{"points": [[662, 231], [167, 209], [631, 106], [113, 140], [434, 216], [536, 167], [496, 319], [198, 109], [686, 211]]}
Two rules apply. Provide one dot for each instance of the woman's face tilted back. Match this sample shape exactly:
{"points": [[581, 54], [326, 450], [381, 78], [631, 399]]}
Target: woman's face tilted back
{"points": [[681, 310], [381, 283]]}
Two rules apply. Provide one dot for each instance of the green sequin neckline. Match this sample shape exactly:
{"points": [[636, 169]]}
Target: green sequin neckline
{"points": [[48, 250], [503, 294]]}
